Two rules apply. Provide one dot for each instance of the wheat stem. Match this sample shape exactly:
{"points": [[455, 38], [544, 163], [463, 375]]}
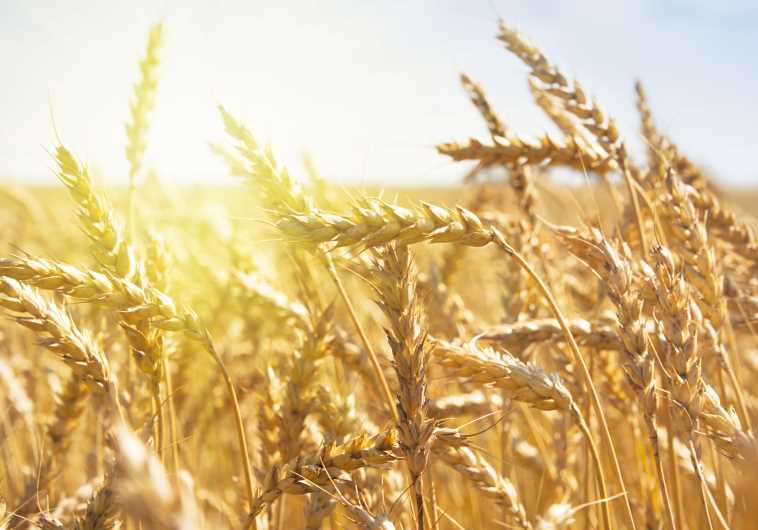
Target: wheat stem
{"points": [[606, 510], [378, 372], [241, 436], [171, 414]]}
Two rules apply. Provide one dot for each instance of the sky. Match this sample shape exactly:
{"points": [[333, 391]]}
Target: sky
{"points": [[367, 88]]}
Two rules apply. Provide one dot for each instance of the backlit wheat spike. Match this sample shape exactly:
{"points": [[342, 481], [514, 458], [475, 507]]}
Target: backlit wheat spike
{"points": [[130, 300], [96, 217], [142, 103], [300, 396], [700, 266], [257, 165], [662, 150], [681, 328], [479, 99], [564, 120], [57, 332], [690, 242], [375, 223], [158, 260], [571, 95], [102, 512], [679, 321], [655, 142]]}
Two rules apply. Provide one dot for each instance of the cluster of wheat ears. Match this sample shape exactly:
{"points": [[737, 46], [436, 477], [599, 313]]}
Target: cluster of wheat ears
{"points": [[185, 368]]}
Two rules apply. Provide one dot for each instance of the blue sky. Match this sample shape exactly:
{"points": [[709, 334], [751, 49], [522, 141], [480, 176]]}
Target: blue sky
{"points": [[367, 88]]}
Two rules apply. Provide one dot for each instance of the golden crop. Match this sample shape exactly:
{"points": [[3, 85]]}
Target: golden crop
{"points": [[513, 355]]}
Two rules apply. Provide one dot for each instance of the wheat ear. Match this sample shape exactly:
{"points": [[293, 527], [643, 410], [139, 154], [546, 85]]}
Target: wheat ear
{"points": [[395, 285], [140, 108], [518, 336], [572, 98], [614, 268], [102, 512], [303, 473], [476, 469], [521, 382]]}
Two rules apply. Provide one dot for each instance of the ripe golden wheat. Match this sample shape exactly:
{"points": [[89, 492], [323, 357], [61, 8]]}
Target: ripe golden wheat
{"points": [[421, 362]]}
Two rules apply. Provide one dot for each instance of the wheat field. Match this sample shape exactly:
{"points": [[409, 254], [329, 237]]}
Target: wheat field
{"points": [[512, 353]]}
